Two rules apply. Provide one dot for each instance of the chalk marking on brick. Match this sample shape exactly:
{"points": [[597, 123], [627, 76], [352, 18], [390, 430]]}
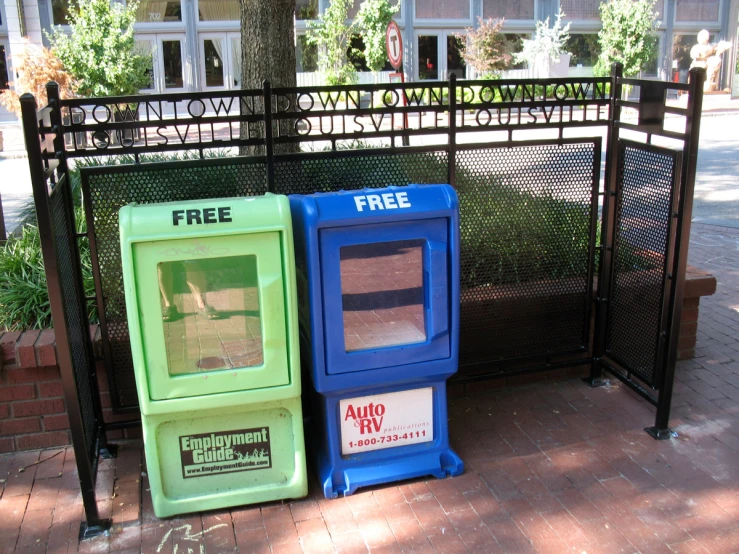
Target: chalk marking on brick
{"points": [[188, 537]]}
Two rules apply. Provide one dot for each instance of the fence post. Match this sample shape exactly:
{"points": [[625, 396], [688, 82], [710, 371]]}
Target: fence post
{"points": [[452, 165], [605, 267], [661, 430], [269, 146], [86, 468], [55, 115]]}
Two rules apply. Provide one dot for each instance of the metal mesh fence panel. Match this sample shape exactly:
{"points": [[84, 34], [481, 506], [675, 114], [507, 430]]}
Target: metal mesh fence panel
{"points": [[107, 189], [526, 217], [74, 312], [349, 170], [644, 208]]}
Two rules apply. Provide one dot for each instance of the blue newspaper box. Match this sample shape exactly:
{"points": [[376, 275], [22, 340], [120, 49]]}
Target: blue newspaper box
{"points": [[378, 288]]}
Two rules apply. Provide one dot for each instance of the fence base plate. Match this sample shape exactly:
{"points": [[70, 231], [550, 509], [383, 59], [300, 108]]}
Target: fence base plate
{"points": [[108, 451], [90, 531], [595, 383], [661, 434]]}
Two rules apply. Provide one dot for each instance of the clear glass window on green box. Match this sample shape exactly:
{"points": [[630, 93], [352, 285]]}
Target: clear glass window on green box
{"points": [[382, 294], [211, 314]]}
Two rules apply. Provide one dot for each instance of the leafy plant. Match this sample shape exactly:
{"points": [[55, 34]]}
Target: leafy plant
{"points": [[627, 35], [24, 298], [547, 43], [372, 20], [331, 35], [584, 49], [35, 66], [100, 51], [486, 48]]}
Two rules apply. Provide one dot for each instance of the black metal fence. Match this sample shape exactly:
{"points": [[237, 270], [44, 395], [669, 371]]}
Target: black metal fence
{"points": [[559, 266]]}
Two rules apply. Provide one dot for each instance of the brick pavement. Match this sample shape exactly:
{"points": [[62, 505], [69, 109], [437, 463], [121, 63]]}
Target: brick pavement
{"points": [[550, 467]]}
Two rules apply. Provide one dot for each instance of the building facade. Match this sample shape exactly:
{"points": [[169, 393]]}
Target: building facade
{"points": [[196, 44]]}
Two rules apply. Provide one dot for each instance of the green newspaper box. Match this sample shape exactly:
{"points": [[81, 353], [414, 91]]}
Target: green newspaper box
{"points": [[212, 314]]}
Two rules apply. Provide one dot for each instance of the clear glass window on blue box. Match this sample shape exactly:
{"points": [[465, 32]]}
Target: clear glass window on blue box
{"points": [[382, 294], [394, 303], [210, 313]]}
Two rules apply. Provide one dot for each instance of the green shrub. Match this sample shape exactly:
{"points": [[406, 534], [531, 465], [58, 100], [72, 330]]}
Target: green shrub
{"points": [[510, 236], [24, 298]]}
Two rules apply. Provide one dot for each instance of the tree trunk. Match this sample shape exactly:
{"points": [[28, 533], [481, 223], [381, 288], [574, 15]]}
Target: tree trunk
{"points": [[268, 54]]}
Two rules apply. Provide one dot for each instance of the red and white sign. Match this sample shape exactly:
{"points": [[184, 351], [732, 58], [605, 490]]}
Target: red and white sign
{"points": [[394, 44], [386, 420]]}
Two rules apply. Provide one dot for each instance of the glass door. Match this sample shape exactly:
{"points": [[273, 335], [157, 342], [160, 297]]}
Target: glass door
{"points": [[146, 46], [167, 52], [213, 71], [220, 61], [453, 56], [171, 59], [429, 54]]}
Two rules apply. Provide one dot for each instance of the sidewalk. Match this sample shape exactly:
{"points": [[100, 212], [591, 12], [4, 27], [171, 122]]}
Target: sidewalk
{"points": [[550, 468]]}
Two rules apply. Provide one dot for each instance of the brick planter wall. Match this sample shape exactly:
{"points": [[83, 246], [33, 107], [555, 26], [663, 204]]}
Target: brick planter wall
{"points": [[32, 410], [697, 283], [33, 414]]}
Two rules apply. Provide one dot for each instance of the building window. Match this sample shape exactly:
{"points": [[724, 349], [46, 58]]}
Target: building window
{"points": [[172, 62], [442, 9], [214, 66], [659, 7], [454, 62], [496, 9], [351, 13], [584, 50], [355, 53], [306, 9], [580, 10], [514, 45], [428, 57], [697, 10], [60, 12], [681, 46], [306, 56], [150, 11], [218, 10], [145, 47], [3, 69], [354, 8]]}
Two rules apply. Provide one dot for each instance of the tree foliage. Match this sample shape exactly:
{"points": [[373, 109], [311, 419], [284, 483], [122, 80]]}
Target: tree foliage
{"points": [[547, 43], [372, 21], [100, 52], [627, 35], [333, 37], [486, 48], [35, 66]]}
